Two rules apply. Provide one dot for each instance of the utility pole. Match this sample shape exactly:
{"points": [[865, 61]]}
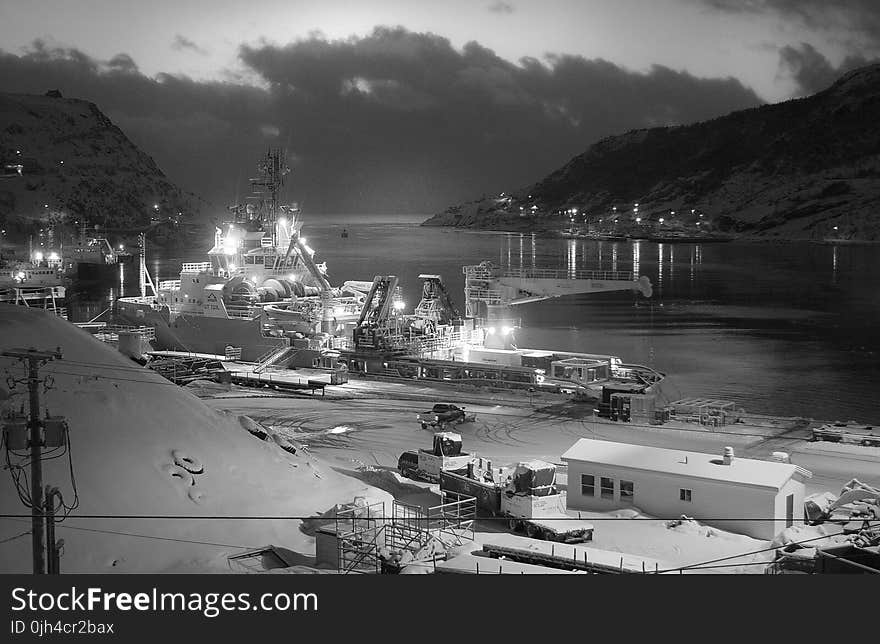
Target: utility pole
{"points": [[33, 360]]}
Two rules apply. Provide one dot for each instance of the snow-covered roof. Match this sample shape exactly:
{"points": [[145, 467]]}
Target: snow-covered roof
{"points": [[741, 471]]}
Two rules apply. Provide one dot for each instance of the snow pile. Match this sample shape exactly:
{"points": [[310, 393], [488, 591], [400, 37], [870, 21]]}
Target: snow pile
{"points": [[142, 446], [683, 542]]}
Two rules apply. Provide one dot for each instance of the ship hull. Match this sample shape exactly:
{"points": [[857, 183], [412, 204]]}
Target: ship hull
{"points": [[200, 334]]}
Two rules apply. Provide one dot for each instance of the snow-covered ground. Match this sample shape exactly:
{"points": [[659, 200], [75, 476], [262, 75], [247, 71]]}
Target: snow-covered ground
{"points": [[371, 432], [125, 425]]}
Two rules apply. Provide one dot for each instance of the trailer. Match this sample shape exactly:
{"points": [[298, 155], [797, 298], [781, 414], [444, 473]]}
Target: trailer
{"points": [[525, 494], [445, 455]]}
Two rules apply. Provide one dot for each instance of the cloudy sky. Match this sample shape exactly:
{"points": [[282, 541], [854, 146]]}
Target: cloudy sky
{"points": [[410, 105]]}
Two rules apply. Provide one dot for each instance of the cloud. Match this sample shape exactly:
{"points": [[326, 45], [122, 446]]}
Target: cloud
{"points": [[810, 70], [855, 22], [181, 43], [395, 121], [123, 63], [502, 7]]}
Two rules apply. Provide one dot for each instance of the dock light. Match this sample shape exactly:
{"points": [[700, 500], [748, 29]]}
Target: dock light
{"points": [[505, 330], [662, 220], [38, 256], [281, 222], [155, 206], [304, 240], [19, 276], [693, 211], [53, 257], [232, 267], [835, 228], [638, 220], [399, 305], [491, 330], [120, 247]]}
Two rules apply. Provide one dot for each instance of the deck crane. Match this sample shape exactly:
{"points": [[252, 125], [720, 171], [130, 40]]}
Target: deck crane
{"points": [[373, 329], [491, 291]]}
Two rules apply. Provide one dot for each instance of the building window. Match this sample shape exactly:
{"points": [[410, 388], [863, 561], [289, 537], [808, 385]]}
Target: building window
{"points": [[607, 488], [588, 485], [684, 495], [627, 492]]}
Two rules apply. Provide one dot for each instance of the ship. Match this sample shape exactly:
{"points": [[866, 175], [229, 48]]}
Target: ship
{"points": [[261, 289], [93, 258], [263, 298]]}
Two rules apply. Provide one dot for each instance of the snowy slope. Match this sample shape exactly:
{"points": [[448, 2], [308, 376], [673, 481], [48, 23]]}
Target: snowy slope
{"points": [[123, 432]]}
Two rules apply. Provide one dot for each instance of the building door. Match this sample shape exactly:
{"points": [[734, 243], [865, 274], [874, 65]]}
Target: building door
{"points": [[789, 510]]}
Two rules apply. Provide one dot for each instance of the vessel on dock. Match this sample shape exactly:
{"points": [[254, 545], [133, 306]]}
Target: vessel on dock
{"points": [[262, 295]]}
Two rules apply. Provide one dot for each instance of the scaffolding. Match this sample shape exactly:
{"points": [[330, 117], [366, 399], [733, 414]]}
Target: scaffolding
{"points": [[364, 536], [704, 411], [358, 530]]}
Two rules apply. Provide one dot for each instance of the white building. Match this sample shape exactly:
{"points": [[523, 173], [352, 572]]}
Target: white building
{"points": [[757, 498]]}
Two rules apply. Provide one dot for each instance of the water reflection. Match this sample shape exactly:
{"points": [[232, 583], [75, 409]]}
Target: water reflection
{"points": [[637, 247], [660, 267], [834, 265], [614, 256], [693, 258], [572, 258]]}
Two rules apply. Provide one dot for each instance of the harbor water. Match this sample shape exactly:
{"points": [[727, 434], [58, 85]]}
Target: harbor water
{"points": [[778, 328]]}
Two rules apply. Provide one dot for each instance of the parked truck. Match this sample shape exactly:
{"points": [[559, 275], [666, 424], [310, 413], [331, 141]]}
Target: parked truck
{"points": [[445, 455], [443, 414], [855, 434], [526, 494]]}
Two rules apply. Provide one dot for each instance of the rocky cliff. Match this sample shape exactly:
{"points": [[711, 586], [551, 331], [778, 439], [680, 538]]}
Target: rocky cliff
{"points": [[807, 168]]}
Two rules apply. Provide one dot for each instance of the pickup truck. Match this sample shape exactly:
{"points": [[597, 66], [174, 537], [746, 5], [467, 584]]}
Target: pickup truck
{"points": [[443, 414]]}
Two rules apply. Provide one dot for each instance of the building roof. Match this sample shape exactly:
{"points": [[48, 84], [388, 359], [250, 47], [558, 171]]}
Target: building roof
{"points": [[741, 471]]}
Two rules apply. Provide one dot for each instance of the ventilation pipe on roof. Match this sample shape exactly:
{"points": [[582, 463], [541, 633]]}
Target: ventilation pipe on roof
{"points": [[728, 455]]}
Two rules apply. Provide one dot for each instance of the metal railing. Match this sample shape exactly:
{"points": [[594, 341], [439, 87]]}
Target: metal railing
{"points": [[481, 272], [552, 273], [195, 267]]}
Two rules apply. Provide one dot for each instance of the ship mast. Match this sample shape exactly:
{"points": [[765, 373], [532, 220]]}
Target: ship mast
{"points": [[265, 188]]}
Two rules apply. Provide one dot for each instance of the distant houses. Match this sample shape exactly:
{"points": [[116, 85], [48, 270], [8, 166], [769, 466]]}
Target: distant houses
{"points": [[749, 496]]}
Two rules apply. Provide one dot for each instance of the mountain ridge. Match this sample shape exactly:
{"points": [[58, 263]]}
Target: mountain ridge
{"points": [[64, 162], [794, 169]]}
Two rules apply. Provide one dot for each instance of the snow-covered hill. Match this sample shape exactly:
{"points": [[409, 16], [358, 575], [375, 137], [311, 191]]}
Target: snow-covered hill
{"points": [[126, 423], [77, 165]]}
